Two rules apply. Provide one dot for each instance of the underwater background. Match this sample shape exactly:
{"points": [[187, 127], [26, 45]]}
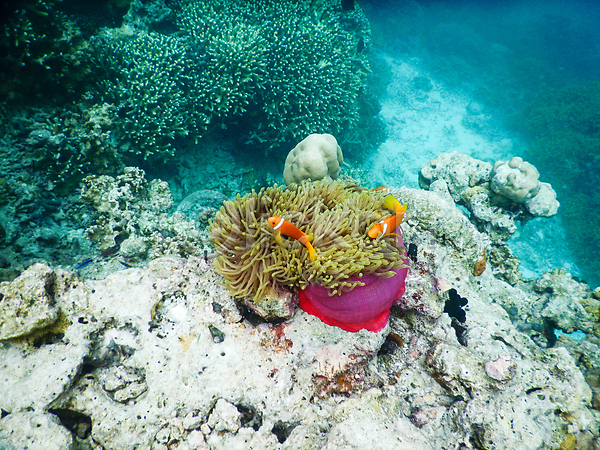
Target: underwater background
{"points": [[126, 125], [198, 94], [533, 67]]}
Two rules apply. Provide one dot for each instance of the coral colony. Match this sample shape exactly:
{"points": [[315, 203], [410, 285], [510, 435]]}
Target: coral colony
{"points": [[170, 279]]}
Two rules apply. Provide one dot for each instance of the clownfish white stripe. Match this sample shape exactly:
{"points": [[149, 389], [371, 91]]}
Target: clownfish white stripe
{"points": [[385, 227], [279, 224]]}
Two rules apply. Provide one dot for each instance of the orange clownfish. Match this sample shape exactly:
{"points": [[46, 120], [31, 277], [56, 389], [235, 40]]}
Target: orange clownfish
{"points": [[287, 229], [387, 226]]}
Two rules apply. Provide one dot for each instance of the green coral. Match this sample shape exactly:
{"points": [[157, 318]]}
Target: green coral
{"points": [[42, 52], [337, 214], [296, 68], [275, 70], [153, 87]]}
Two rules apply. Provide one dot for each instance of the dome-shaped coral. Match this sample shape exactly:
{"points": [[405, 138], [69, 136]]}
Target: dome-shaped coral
{"points": [[317, 157], [337, 214]]}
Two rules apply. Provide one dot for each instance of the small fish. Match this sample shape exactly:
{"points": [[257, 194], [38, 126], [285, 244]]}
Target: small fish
{"points": [[412, 251], [84, 263], [287, 229], [381, 189], [126, 264], [387, 226], [360, 46]]}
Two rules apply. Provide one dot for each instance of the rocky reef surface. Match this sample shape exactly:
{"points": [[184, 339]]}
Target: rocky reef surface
{"points": [[162, 357]]}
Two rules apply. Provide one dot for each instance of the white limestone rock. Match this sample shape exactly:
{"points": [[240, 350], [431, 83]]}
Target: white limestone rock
{"points": [[460, 172], [33, 430], [301, 383], [544, 203]]}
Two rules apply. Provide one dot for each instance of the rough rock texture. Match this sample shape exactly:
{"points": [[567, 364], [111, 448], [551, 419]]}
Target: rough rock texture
{"points": [[161, 357], [496, 197], [515, 179], [33, 429], [460, 172], [27, 303], [518, 181], [133, 220]]}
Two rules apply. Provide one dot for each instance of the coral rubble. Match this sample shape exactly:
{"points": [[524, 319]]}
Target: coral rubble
{"points": [[133, 217]]}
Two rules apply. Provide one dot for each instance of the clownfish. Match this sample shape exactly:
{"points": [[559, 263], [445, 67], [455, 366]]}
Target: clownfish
{"points": [[287, 229], [387, 226]]}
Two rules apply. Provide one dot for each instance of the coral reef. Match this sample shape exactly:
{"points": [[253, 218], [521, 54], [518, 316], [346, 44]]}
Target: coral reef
{"points": [[515, 179], [518, 181], [337, 214], [133, 217], [70, 143], [154, 89], [496, 197], [43, 54], [279, 70], [294, 66], [144, 358], [316, 157], [41, 218]]}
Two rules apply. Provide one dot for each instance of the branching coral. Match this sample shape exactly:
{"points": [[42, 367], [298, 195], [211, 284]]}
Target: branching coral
{"points": [[42, 52], [152, 87], [337, 214], [278, 71]]}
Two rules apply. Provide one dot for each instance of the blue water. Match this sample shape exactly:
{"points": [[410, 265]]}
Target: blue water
{"points": [[451, 75], [501, 57]]}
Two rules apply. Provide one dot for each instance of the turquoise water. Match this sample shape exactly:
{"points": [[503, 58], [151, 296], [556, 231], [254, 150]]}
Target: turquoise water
{"points": [[88, 92], [125, 124], [531, 68]]}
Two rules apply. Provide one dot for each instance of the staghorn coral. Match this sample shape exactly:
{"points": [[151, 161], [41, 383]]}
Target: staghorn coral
{"points": [[276, 71], [152, 83], [338, 215], [286, 68]]}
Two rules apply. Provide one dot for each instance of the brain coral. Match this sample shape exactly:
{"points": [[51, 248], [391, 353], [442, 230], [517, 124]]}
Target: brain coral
{"points": [[337, 214]]}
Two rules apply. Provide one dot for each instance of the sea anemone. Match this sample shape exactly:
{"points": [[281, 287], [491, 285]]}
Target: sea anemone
{"points": [[337, 214]]}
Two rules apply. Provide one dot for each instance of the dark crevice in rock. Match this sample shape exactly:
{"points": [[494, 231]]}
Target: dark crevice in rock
{"points": [[249, 417], [76, 422], [282, 430]]}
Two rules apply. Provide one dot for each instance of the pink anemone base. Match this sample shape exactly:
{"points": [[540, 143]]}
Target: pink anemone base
{"points": [[364, 307]]}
